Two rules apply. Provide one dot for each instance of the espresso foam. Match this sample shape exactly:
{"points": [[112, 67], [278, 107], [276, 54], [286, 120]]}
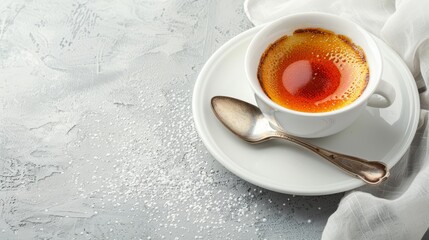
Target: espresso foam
{"points": [[313, 70]]}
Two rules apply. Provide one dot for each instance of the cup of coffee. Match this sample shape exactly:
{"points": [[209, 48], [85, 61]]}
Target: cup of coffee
{"points": [[313, 73]]}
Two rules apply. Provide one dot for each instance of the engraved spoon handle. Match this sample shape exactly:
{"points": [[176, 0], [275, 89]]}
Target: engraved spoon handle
{"points": [[371, 172]]}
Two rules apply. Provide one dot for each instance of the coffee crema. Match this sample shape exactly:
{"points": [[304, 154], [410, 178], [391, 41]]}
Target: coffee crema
{"points": [[313, 70]]}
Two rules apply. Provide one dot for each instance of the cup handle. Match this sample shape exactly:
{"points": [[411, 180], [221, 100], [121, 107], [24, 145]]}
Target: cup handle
{"points": [[383, 96]]}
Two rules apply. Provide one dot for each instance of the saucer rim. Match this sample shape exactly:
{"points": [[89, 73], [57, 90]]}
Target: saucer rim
{"points": [[253, 178]]}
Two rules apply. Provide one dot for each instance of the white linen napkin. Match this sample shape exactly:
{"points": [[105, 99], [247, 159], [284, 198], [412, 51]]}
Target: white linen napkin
{"points": [[399, 207]]}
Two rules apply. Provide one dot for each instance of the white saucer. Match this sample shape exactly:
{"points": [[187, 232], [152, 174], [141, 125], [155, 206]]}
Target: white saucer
{"points": [[378, 134]]}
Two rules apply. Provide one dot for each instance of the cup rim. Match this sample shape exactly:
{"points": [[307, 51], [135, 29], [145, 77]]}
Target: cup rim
{"points": [[360, 100]]}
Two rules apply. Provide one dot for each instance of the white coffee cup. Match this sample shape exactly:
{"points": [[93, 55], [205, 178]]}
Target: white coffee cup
{"points": [[312, 125]]}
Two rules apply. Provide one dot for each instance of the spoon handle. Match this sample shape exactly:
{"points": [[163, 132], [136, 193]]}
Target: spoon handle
{"points": [[371, 172]]}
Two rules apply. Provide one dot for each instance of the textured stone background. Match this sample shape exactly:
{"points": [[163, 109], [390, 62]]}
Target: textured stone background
{"points": [[96, 132]]}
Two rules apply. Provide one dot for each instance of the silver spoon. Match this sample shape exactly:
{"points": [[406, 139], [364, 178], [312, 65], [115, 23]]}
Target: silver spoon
{"points": [[247, 122]]}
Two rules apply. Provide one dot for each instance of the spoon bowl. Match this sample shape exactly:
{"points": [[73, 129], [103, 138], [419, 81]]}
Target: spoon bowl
{"points": [[243, 119]]}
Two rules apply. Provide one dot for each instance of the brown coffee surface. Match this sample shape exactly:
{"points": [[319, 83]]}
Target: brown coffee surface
{"points": [[313, 70]]}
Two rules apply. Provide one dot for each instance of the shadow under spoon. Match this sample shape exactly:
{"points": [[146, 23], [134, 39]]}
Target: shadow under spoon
{"points": [[247, 122]]}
